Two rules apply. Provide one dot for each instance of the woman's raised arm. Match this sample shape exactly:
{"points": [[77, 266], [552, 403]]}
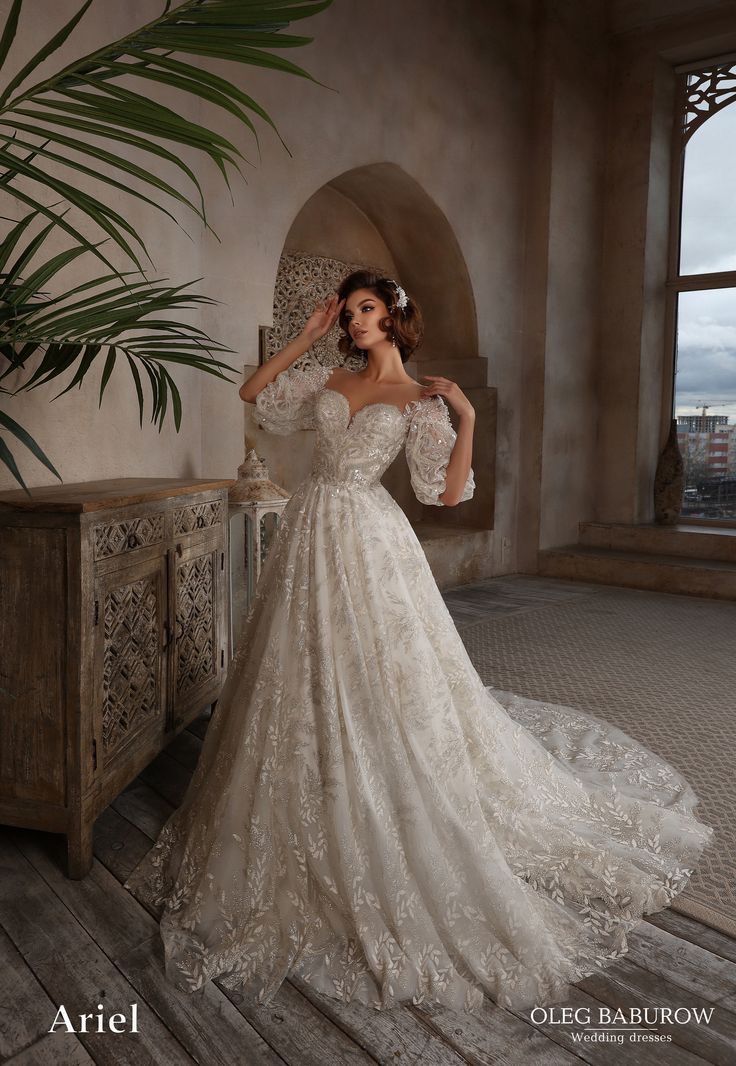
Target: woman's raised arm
{"points": [[319, 322]]}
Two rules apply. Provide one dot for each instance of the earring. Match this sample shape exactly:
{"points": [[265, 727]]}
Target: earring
{"points": [[393, 341]]}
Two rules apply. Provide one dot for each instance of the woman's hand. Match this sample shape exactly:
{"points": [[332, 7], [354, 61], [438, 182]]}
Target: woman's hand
{"points": [[452, 392], [323, 318]]}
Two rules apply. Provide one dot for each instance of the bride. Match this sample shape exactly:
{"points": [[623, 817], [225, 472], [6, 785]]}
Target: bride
{"points": [[365, 813]]}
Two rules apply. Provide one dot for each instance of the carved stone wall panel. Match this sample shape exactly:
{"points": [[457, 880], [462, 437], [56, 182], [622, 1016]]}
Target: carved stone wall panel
{"points": [[131, 656]]}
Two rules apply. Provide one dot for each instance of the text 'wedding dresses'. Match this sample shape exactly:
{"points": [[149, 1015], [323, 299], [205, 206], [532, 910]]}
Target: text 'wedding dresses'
{"points": [[365, 813]]}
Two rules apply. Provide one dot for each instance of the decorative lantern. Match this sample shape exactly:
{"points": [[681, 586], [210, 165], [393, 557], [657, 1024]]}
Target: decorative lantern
{"points": [[255, 505]]}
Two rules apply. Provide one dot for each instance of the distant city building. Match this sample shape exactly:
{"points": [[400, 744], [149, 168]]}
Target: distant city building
{"points": [[701, 423], [707, 444]]}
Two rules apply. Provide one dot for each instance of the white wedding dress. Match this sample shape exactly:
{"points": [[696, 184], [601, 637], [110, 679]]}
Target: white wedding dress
{"points": [[365, 813]]}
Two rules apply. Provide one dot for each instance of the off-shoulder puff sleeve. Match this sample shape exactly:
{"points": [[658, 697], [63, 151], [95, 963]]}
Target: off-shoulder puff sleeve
{"points": [[429, 443], [286, 404]]}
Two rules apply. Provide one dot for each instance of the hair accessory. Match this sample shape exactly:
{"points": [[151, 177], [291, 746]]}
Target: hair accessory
{"points": [[402, 298]]}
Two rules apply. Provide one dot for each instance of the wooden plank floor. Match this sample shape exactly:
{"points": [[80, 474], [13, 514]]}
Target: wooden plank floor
{"points": [[84, 943]]}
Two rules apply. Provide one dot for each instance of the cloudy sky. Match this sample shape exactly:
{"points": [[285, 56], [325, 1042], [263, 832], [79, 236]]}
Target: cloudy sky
{"points": [[706, 336]]}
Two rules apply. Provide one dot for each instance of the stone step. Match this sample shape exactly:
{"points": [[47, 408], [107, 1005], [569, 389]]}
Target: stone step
{"points": [[684, 539], [456, 556], [713, 578]]}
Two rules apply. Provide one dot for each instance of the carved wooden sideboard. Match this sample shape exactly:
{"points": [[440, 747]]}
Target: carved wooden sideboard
{"points": [[113, 637]]}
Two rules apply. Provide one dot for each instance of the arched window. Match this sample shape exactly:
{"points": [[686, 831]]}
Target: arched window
{"points": [[702, 288]]}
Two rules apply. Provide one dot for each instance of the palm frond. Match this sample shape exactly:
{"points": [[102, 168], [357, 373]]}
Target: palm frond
{"points": [[45, 51], [102, 175], [6, 456], [112, 314], [9, 30], [82, 121], [86, 98]]}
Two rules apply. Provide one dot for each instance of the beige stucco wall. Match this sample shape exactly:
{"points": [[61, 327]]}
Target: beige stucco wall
{"points": [[331, 224], [442, 93], [563, 248], [499, 111]]}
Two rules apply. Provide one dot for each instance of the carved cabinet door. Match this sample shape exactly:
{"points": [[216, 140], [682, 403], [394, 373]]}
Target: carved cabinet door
{"points": [[130, 615], [198, 590]]}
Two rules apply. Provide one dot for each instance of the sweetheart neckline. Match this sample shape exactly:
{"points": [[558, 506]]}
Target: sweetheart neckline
{"points": [[402, 411]]}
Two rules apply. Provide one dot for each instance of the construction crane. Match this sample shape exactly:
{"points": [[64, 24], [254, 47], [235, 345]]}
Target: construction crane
{"points": [[704, 407]]}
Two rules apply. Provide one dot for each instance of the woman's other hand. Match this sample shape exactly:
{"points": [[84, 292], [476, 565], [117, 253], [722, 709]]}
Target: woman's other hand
{"points": [[456, 398]]}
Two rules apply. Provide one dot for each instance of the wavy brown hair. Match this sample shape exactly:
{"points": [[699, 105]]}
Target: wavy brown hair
{"points": [[405, 324]]}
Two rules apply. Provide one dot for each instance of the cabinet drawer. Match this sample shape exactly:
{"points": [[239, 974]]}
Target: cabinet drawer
{"points": [[197, 516], [118, 538]]}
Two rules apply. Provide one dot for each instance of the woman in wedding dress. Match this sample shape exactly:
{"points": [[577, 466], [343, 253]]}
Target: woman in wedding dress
{"points": [[365, 813]]}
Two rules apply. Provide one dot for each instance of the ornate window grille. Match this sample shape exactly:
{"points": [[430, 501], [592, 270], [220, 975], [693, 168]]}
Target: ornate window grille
{"points": [[706, 91], [702, 90]]}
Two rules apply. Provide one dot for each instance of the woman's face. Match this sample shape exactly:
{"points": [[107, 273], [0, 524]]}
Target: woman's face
{"points": [[363, 311]]}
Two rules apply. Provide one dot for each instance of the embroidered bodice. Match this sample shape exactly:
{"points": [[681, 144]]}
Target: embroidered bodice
{"points": [[357, 450]]}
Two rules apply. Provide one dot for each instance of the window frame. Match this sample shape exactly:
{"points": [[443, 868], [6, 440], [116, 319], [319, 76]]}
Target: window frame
{"points": [[676, 282]]}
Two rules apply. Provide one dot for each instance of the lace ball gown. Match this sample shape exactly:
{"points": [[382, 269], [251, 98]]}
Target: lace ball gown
{"points": [[365, 813]]}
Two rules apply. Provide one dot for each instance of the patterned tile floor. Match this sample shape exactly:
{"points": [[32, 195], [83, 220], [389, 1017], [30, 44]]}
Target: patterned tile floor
{"points": [[659, 666]]}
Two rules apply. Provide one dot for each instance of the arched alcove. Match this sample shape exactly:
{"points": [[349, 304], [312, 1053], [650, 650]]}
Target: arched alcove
{"points": [[426, 252], [379, 216]]}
